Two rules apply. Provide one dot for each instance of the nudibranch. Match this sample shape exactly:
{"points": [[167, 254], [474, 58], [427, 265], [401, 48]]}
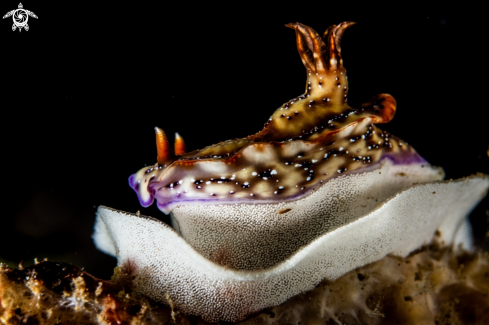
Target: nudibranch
{"points": [[319, 191], [309, 140]]}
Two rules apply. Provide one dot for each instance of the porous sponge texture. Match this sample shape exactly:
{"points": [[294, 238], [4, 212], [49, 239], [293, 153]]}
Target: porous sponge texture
{"points": [[258, 236], [165, 267]]}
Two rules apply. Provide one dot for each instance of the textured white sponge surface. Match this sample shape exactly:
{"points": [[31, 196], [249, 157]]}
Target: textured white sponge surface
{"points": [[257, 236], [166, 267]]}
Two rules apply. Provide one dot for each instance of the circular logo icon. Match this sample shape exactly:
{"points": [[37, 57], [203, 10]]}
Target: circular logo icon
{"points": [[20, 18]]}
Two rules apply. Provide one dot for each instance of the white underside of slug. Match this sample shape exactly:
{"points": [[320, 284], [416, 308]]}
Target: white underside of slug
{"points": [[168, 267]]}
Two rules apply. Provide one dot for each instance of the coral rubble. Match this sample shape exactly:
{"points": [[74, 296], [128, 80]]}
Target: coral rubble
{"points": [[435, 285]]}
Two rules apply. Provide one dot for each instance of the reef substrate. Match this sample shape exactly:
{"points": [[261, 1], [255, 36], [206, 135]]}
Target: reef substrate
{"points": [[434, 285]]}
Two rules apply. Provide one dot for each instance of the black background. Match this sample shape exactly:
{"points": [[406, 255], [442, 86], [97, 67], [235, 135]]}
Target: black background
{"points": [[83, 89]]}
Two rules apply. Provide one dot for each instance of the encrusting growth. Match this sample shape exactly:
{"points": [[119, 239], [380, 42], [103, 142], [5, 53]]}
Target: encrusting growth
{"points": [[432, 286]]}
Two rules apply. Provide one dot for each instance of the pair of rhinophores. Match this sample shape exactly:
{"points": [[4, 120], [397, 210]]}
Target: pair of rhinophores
{"points": [[319, 191]]}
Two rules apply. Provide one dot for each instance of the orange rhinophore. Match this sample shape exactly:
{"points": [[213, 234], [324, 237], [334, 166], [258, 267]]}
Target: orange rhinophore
{"points": [[179, 145], [162, 146]]}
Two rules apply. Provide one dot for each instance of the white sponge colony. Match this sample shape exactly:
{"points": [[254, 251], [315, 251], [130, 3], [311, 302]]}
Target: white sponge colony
{"points": [[165, 267], [257, 236]]}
